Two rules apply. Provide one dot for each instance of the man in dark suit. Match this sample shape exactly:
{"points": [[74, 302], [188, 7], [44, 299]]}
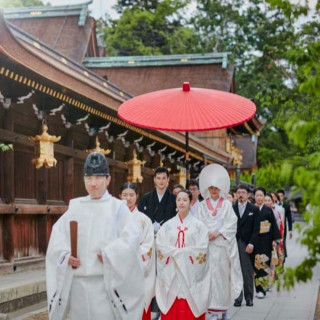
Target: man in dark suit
{"points": [[288, 221], [247, 236]]}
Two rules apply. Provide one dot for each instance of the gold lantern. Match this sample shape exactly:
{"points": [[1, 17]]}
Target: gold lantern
{"points": [[43, 148], [134, 168], [98, 149], [181, 177]]}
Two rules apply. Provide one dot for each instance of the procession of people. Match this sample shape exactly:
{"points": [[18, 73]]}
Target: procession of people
{"points": [[167, 256]]}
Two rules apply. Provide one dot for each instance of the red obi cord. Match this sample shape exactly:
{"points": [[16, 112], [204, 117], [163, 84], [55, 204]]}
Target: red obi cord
{"points": [[180, 310], [147, 315], [180, 243]]}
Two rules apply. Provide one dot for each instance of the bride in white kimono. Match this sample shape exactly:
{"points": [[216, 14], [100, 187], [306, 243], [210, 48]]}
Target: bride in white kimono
{"points": [[183, 275], [128, 192], [103, 280], [217, 214]]}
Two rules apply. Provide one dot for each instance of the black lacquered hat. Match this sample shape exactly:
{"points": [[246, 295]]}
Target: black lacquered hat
{"points": [[96, 164]]}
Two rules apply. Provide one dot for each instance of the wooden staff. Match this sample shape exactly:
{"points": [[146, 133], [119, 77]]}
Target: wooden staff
{"points": [[74, 238]]}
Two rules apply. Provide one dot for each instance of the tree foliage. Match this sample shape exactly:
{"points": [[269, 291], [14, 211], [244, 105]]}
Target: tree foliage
{"points": [[141, 31]]}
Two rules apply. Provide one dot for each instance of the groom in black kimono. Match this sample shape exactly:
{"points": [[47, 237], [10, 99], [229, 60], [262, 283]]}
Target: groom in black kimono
{"points": [[160, 206]]}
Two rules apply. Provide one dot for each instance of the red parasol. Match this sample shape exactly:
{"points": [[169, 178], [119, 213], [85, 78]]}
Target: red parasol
{"points": [[187, 109]]}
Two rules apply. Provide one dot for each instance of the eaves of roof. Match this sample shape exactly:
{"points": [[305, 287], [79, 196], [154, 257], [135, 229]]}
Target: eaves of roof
{"points": [[163, 60], [80, 10]]}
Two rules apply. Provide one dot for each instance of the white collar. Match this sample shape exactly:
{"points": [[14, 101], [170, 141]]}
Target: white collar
{"points": [[105, 196]]}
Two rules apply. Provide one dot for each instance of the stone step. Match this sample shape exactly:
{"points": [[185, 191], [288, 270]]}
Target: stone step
{"points": [[36, 311], [21, 265], [20, 290]]}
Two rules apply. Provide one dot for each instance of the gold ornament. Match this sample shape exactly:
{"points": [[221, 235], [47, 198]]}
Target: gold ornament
{"points": [[98, 149], [134, 167], [43, 149]]}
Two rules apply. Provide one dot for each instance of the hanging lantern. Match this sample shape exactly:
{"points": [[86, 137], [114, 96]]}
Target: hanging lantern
{"points": [[134, 168], [43, 148], [98, 149], [181, 177]]}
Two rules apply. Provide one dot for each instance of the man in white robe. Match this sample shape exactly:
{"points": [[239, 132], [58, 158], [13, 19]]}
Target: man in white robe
{"points": [[104, 280]]}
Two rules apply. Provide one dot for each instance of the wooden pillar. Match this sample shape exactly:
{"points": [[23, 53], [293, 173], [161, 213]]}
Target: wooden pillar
{"points": [[42, 185], [44, 229], [8, 238], [8, 162], [69, 169], [69, 182]]}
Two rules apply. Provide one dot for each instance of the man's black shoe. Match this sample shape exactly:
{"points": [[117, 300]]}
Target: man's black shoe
{"points": [[237, 303], [249, 303]]}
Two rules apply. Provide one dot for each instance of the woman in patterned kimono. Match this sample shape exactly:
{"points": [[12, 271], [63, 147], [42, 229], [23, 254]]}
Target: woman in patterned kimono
{"points": [[280, 249], [269, 233], [129, 193], [183, 276], [217, 214]]}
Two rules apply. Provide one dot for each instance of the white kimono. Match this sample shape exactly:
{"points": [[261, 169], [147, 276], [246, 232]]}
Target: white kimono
{"points": [[95, 290], [226, 276], [182, 265], [147, 255]]}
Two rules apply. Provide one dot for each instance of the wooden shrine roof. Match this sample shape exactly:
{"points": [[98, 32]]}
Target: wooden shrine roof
{"points": [[143, 74], [67, 29], [32, 63]]}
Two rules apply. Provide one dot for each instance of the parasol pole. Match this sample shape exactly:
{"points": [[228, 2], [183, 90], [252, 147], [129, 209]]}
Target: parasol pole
{"points": [[187, 159]]}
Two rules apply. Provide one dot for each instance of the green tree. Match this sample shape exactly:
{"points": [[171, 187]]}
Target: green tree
{"points": [[141, 31], [303, 129]]}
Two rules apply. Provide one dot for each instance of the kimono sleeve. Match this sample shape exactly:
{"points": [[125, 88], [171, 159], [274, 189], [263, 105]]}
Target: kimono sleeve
{"points": [[58, 272], [193, 265], [275, 232], [123, 273], [189, 265], [229, 221], [148, 260]]}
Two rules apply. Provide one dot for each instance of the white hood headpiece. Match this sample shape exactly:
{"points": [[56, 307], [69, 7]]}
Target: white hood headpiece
{"points": [[214, 175]]}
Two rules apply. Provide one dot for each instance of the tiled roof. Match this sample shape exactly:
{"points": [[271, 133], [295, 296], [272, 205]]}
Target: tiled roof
{"points": [[164, 60], [67, 29], [80, 10]]}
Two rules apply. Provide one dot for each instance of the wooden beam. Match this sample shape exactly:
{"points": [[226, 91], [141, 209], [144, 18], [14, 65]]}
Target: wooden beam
{"points": [[31, 209]]}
